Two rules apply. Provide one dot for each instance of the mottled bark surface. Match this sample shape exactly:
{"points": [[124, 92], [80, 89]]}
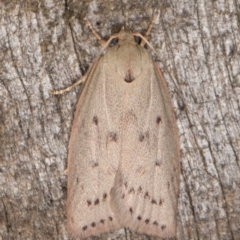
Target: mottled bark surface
{"points": [[46, 45]]}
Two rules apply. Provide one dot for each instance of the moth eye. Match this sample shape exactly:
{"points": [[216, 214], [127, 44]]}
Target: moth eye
{"points": [[137, 39], [113, 42]]}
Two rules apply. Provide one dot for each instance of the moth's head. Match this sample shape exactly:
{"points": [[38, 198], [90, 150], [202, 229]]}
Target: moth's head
{"points": [[126, 56], [123, 37]]}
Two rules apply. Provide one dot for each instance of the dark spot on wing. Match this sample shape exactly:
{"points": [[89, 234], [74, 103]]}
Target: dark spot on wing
{"points": [[140, 189], [141, 138], [93, 224], [130, 210], [96, 202], [77, 180], [113, 136], [95, 164], [147, 221], [158, 119], [84, 228], [95, 120], [104, 196], [102, 221], [110, 218], [154, 201], [163, 227], [129, 77], [160, 202], [146, 195], [139, 218], [155, 223], [89, 202], [158, 163]]}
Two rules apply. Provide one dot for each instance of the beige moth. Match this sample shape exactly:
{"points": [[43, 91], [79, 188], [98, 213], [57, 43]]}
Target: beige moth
{"points": [[123, 160]]}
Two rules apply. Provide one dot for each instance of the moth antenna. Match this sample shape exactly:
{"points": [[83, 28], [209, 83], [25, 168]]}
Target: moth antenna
{"points": [[151, 25], [146, 35], [100, 40], [69, 88]]}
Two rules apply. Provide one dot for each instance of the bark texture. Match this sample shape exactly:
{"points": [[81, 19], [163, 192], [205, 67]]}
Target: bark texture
{"points": [[46, 45]]}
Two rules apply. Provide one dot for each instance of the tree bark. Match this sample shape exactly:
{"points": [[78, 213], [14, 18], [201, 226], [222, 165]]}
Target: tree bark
{"points": [[47, 45]]}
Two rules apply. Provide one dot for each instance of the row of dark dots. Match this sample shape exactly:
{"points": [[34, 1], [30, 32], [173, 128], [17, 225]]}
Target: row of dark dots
{"points": [[113, 136], [114, 139], [93, 224], [97, 201], [95, 120], [146, 195], [147, 221]]}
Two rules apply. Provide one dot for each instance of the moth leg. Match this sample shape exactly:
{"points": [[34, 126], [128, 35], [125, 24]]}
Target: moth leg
{"points": [[100, 40], [61, 91], [146, 35]]}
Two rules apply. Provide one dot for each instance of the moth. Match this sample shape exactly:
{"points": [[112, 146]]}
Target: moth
{"points": [[123, 159]]}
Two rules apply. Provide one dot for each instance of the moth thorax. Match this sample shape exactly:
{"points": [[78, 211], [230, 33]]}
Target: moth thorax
{"points": [[130, 64]]}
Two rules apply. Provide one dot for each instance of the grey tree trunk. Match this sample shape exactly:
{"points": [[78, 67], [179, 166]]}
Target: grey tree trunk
{"points": [[46, 45]]}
